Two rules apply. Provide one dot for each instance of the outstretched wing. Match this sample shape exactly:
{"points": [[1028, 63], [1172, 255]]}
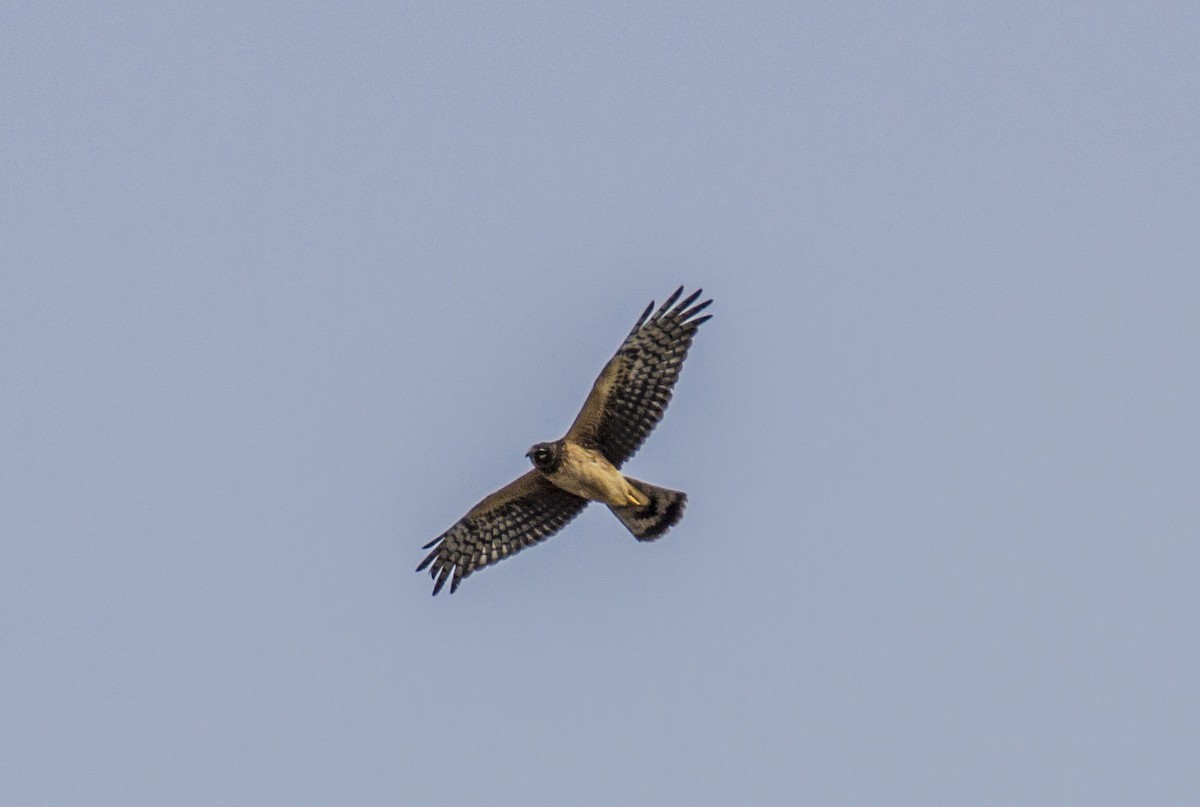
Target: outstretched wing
{"points": [[634, 388], [523, 512]]}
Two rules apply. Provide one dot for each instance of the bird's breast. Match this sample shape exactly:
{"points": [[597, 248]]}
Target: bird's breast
{"points": [[587, 473]]}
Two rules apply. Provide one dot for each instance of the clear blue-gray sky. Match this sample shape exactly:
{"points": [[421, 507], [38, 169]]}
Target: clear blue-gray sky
{"points": [[285, 291]]}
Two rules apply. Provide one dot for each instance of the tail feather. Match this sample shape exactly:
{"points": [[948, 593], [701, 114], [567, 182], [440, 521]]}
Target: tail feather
{"points": [[650, 521]]}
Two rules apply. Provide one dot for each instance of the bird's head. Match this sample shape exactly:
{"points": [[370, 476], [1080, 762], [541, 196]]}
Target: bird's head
{"points": [[545, 456]]}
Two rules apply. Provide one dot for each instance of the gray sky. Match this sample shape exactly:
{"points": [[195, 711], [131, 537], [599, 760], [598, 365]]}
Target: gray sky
{"points": [[285, 292]]}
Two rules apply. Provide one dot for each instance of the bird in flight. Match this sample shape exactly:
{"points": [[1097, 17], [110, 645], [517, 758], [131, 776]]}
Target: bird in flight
{"points": [[625, 404]]}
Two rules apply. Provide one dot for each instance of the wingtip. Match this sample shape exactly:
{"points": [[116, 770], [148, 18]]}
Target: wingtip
{"points": [[441, 579], [686, 316], [691, 298], [670, 301], [428, 560], [672, 307], [642, 319]]}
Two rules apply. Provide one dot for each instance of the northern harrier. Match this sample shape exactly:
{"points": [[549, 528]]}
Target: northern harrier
{"points": [[625, 404]]}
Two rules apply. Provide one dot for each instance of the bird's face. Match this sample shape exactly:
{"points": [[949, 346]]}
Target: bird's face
{"points": [[545, 456]]}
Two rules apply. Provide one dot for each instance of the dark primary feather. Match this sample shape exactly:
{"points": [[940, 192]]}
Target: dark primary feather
{"points": [[633, 390], [527, 510]]}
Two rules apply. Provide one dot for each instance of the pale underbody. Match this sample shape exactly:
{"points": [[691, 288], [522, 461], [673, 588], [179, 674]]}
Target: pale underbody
{"points": [[585, 472]]}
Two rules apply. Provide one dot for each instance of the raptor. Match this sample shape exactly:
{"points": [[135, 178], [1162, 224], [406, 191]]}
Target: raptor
{"points": [[625, 404]]}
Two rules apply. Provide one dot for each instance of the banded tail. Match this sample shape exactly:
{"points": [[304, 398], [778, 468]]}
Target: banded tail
{"points": [[650, 521]]}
